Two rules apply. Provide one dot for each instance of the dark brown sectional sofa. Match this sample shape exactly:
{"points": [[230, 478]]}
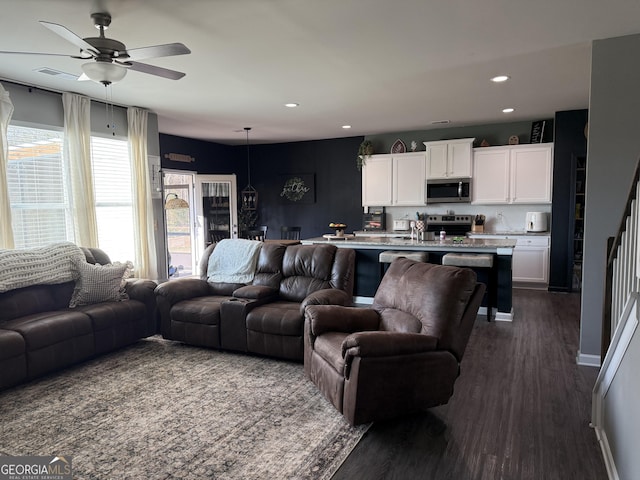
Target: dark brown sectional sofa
{"points": [[39, 333], [265, 317]]}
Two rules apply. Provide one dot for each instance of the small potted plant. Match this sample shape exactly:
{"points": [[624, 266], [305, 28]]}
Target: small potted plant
{"points": [[364, 151]]}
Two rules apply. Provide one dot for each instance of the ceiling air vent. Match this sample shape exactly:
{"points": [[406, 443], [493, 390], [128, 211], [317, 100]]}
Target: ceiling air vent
{"points": [[440, 122], [56, 73]]}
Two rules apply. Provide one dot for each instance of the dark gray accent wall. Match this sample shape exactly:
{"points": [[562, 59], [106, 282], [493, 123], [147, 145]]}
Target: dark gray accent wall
{"points": [[569, 143], [612, 153]]}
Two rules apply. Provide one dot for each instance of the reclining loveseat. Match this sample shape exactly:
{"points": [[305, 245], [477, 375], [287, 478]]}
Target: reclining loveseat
{"points": [[266, 315]]}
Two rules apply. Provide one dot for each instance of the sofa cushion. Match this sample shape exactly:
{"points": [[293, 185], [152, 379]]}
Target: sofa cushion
{"points": [[277, 318], [439, 309], [100, 283], [31, 300], [306, 268], [108, 315], [202, 310], [329, 347], [11, 344], [47, 328], [269, 267]]}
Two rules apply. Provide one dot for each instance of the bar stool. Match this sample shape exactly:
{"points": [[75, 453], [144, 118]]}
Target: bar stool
{"points": [[388, 256], [476, 261]]}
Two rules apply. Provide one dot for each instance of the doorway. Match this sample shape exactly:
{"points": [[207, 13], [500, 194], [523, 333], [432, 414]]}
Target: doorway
{"points": [[179, 223]]}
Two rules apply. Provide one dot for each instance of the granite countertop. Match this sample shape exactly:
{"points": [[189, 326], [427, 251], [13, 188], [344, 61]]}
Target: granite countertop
{"points": [[510, 232], [407, 233], [380, 242]]}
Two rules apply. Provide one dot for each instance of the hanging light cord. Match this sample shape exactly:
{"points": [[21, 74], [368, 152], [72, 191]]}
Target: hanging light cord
{"points": [[248, 161]]}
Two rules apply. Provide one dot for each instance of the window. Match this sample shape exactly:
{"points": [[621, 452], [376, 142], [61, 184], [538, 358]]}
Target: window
{"points": [[114, 198], [38, 190]]}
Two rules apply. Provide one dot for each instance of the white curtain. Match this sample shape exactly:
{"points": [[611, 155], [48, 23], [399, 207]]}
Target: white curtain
{"points": [[144, 231], [6, 110], [77, 152]]}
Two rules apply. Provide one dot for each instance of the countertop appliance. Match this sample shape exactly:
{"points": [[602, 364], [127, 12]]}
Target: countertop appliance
{"points": [[449, 190], [402, 224], [536, 222], [453, 225], [374, 220]]}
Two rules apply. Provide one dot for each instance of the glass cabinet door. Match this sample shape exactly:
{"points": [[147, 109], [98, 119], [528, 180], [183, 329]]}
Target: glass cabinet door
{"points": [[216, 209]]}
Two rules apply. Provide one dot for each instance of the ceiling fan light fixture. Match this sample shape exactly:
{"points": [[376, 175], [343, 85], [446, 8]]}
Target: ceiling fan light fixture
{"points": [[104, 72]]}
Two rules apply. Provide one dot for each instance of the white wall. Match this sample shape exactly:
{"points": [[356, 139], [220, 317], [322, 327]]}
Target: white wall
{"points": [[612, 154]]}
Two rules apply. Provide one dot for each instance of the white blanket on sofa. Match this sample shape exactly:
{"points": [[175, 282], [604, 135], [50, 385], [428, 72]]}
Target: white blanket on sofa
{"points": [[47, 265], [233, 261]]}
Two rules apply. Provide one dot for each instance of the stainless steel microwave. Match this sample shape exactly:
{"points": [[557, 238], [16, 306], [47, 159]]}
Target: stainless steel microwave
{"points": [[449, 190]]}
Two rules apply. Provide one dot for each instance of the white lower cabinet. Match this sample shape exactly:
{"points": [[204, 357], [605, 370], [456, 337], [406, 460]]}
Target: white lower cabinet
{"points": [[530, 262]]}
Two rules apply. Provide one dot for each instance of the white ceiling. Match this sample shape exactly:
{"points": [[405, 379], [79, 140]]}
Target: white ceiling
{"points": [[378, 65]]}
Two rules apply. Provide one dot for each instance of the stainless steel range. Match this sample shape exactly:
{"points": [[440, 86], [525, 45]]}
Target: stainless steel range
{"points": [[454, 225]]}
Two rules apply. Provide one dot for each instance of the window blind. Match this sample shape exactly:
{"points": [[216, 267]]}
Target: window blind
{"points": [[114, 199], [38, 190]]}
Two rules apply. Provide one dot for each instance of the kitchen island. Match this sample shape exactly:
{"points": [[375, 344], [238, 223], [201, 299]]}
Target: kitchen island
{"points": [[368, 272]]}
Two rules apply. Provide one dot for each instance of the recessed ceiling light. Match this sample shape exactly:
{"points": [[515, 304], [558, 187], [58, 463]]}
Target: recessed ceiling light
{"points": [[500, 78], [346, 126], [291, 105], [508, 110]]}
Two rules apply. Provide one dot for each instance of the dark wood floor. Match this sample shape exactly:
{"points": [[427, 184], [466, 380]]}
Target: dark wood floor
{"points": [[521, 408]]}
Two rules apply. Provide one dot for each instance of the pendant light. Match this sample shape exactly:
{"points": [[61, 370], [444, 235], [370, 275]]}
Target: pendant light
{"points": [[249, 194]]}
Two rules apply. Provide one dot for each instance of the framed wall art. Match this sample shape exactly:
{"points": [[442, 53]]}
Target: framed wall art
{"points": [[298, 188]]}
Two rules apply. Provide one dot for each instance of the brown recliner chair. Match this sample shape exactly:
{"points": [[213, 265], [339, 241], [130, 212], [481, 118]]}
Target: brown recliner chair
{"points": [[400, 356]]}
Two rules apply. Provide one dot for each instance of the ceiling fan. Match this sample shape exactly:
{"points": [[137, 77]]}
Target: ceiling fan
{"points": [[111, 57]]}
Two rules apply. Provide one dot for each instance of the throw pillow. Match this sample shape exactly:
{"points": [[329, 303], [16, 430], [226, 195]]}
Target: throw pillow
{"points": [[100, 283]]}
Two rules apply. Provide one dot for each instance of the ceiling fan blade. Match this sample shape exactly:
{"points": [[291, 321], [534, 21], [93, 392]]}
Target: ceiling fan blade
{"points": [[36, 53], [83, 78], [153, 70], [68, 35], [168, 50]]}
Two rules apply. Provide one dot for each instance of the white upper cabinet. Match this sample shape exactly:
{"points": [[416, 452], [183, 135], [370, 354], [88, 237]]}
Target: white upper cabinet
{"points": [[531, 173], [513, 174], [408, 179], [449, 158], [396, 179], [376, 180]]}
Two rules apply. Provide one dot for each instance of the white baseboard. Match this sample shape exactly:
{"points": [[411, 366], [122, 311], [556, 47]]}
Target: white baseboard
{"points": [[607, 456], [500, 316], [588, 360]]}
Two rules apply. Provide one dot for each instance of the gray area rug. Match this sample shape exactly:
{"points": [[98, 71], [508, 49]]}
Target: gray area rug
{"points": [[163, 410]]}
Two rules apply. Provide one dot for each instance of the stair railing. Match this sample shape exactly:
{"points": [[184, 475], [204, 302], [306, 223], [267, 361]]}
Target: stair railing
{"points": [[622, 266]]}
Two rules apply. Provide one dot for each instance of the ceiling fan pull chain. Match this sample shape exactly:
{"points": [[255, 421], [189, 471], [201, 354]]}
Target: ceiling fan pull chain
{"points": [[109, 112]]}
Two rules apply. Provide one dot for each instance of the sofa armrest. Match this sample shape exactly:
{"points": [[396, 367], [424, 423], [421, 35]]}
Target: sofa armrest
{"points": [[182, 289], [255, 292], [384, 344], [326, 296], [144, 291], [140, 289], [337, 318]]}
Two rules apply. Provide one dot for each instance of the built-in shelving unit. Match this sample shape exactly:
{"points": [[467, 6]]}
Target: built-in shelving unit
{"points": [[578, 222]]}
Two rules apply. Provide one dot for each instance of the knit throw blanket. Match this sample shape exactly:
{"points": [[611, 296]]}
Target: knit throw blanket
{"points": [[38, 266], [233, 261]]}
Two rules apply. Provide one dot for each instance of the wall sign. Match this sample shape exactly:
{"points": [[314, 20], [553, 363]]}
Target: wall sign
{"points": [[299, 188]]}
